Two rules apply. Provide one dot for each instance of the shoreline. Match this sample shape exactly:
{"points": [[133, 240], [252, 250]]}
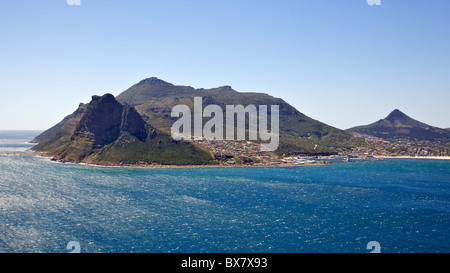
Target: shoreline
{"points": [[260, 165], [156, 166], [188, 166], [415, 157]]}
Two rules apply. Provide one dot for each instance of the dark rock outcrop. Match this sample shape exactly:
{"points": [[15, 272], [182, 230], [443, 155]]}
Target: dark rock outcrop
{"points": [[102, 120], [133, 123], [107, 132]]}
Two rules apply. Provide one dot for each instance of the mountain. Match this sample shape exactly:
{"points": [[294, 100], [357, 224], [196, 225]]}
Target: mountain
{"points": [[299, 134], [398, 125], [107, 132], [117, 130]]}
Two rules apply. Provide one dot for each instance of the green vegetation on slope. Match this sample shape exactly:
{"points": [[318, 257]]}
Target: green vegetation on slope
{"points": [[154, 100]]}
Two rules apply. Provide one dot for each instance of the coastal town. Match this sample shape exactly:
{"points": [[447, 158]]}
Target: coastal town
{"points": [[402, 147], [243, 152]]}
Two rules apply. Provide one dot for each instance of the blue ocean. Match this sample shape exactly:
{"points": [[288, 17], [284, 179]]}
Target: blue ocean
{"points": [[403, 205]]}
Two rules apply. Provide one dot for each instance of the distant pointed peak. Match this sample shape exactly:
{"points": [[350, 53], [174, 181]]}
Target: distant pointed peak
{"points": [[396, 114], [153, 80]]}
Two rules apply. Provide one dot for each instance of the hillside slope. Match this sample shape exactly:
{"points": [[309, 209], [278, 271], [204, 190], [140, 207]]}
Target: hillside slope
{"points": [[154, 99]]}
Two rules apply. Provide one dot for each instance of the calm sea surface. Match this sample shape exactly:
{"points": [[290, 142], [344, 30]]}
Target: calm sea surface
{"points": [[404, 205]]}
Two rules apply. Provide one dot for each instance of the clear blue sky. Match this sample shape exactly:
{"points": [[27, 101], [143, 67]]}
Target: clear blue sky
{"points": [[342, 62]]}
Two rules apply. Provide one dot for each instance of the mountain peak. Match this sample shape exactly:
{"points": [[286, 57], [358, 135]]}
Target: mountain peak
{"points": [[156, 101], [153, 81], [106, 98], [399, 125], [101, 119], [396, 114], [151, 88]]}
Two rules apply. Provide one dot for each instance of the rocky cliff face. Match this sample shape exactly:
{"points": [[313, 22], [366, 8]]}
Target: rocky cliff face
{"points": [[133, 123], [101, 123], [106, 119], [107, 132]]}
